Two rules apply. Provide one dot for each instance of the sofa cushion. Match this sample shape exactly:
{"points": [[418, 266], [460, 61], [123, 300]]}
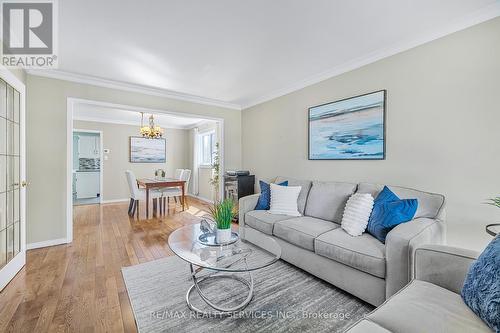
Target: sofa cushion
{"points": [[302, 231], [263, 221], [388, 212], [429, 204], [425, 307], [327, 200], [363, 252], [264, 202], [304, 192]]}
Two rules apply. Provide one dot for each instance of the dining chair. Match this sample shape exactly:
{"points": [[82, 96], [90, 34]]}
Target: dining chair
{"points": [[178, 173], [176, 192], [137, 194]]}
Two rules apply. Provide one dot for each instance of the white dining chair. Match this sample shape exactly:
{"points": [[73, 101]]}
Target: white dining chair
{"points": [[137, 194], [176, 192], [178, 173]]}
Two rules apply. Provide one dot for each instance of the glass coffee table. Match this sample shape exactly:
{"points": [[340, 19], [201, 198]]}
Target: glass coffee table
{"points": [[233, 261]]}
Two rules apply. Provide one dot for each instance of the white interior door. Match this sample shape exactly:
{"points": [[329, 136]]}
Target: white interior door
{"points": [[12, 175]]}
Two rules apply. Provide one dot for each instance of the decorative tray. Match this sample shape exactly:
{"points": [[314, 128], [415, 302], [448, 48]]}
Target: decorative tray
{"points": [[209, 239]]}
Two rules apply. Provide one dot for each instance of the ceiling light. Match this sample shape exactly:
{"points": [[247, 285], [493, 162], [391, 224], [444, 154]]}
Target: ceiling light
{"points": [[150, 131]]}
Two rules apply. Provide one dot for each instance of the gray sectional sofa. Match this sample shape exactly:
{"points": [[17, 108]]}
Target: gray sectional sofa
{"points": [[315, 242], [431, 302]]}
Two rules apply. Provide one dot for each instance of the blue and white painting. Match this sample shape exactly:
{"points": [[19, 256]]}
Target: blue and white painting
{"points": [[349, 129], [144, 150]]}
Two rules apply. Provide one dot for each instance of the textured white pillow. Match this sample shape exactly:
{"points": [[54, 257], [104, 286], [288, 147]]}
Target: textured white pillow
{"points": [[357, 213], [284, 200]]}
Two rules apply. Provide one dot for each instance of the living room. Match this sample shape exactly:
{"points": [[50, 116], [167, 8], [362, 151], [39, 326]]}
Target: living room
{"points": [[368, 130]]}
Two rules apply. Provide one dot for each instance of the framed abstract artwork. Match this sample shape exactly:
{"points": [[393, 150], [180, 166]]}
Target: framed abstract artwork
{"points": [[348, 129], [144, 150]]}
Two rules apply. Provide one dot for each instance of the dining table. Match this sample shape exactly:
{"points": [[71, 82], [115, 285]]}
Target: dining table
{"points": [[161, 182]]}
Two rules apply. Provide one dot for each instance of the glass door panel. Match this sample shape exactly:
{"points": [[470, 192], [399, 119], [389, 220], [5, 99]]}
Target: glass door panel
{"points": [[10, 103], [16, 205], [17, 106], [3, 102], [3, 135], [17, 238], [3, 247], [15, 140], [10, 243], [10, 137], [3, 173], [3, 213], [10, 208]]}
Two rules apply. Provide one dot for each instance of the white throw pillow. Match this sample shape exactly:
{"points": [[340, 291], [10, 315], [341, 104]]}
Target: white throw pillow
{"points": [[284, 200], [357, 212]]}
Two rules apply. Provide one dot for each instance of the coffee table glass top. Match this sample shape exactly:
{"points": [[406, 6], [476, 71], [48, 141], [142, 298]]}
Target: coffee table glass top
{"points": [[240, 256]]}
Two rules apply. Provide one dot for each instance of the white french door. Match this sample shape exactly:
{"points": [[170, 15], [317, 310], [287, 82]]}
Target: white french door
{"points": [[12, 175]]}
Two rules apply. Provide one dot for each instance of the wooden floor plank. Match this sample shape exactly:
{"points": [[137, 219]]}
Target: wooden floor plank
{"points": [[78, 287]]}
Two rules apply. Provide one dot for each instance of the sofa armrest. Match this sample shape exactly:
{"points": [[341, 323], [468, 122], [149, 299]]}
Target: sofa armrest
{"points": [[246, 204], [400, 246], [444, 266]]}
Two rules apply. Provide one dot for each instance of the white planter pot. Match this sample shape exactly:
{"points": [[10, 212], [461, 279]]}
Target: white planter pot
{"points": [[223, 235]]}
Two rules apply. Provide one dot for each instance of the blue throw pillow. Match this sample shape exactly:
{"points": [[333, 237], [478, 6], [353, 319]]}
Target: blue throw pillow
{"points": [[264, 202], [389, 211], [481, 290]]}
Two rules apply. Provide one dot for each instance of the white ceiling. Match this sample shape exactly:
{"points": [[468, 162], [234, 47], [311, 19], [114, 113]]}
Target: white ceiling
{"points": [[244, 52], [91, 112]]}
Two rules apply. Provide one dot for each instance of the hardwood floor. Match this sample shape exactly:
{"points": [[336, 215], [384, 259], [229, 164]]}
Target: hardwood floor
{"points": [[79, 287]]}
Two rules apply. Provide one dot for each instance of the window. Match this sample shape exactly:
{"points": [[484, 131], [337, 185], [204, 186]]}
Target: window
{"points": [[207, 148]]}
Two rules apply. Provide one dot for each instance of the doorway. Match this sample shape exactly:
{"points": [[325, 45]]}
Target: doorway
{"points": [[87, 167], [119, 123]]}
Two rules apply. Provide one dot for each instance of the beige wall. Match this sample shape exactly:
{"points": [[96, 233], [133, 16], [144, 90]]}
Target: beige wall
{"points": [[46, 144], [116, 139], [205, 189], [443, 132]]}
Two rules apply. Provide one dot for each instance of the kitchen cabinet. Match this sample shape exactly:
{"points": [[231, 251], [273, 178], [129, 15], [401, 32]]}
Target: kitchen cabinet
{"points": [[87, 185], [88, 146]]}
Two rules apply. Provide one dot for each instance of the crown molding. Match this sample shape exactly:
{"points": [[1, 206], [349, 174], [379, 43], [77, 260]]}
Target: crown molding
{"points": [[106, 83], [480, 16], [124, 122]]}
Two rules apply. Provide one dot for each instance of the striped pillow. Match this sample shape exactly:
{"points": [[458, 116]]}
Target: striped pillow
{"points": [[356, 213]]}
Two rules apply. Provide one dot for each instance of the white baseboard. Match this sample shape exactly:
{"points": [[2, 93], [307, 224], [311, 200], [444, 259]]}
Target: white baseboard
{"points": [[47, 243], [115, 200], [200, 198]]}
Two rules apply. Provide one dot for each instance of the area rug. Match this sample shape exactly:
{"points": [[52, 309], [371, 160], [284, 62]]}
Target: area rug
{"points": [[286, 299]]}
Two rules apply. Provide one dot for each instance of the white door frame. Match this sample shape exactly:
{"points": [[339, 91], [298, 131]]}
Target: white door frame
{"points": [[73, 101], [8, 272], [101, 157]]}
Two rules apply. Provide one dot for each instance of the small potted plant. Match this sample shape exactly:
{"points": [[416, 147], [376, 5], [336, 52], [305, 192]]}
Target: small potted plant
{"points": [[223, 213]]}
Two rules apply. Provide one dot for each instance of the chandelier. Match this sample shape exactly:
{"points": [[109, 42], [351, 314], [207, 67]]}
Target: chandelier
{"points": [[150, 131]]}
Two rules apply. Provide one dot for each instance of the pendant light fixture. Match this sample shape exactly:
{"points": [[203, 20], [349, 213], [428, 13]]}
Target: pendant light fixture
{"points": [[150, 131]]}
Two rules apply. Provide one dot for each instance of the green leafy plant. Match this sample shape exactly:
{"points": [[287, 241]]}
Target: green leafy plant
{"points": [[223, 213], [216, 172], [494, 202]]}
